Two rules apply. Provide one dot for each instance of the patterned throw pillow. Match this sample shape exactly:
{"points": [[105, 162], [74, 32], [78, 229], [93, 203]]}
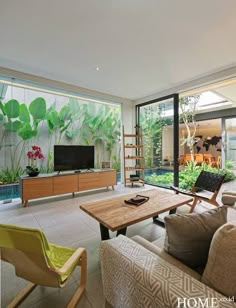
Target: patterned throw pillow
{"points": [[188, 236]]}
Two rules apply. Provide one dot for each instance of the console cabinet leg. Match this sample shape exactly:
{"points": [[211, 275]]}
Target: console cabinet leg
{"points": [[24, 203]]}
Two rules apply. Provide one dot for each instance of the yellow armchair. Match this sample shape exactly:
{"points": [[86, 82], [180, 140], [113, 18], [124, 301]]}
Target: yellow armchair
{"points": [[40, 262]]}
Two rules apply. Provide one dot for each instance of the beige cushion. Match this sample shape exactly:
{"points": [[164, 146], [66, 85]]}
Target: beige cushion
{"points": [[229, 192], [188, 236], [220, 271], [228, 199], [160, 242], [165, 256]]}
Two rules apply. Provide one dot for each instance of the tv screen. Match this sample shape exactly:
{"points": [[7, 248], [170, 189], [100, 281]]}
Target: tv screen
{"points": [[73, 157]]}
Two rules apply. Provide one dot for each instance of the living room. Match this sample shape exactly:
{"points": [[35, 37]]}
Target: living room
{"points": [[106, 61]]}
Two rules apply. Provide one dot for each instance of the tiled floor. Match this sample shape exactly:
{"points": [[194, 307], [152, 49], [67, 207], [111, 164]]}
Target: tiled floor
{"points": [[64, 223]]}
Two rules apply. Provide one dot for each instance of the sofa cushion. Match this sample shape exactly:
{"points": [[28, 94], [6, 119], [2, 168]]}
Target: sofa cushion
{"points": [[165, 256], [188, 236], [220, 271], [160, 242], [228, 199]]}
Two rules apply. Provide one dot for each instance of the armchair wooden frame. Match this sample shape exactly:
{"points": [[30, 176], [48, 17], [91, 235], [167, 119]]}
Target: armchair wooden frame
{"points": [[80, 254], [38, 269], [207, 181]]}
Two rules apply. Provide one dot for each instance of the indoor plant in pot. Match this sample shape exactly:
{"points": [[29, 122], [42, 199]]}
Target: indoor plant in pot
{"points": [[34, 155]]}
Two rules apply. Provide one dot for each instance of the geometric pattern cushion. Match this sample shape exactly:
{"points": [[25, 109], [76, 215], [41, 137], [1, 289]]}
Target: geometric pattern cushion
{"points": [[151, 246], [135, 277]]}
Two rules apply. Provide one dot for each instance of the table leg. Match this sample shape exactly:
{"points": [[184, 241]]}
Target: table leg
{"points": [[121, 231], [159, 221], [173, 211], [105, 232]]}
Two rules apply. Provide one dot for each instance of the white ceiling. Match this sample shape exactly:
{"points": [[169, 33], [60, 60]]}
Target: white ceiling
{"points": [[227, 92], [142, 47]]}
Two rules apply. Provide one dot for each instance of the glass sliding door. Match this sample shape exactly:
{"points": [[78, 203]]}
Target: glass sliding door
{"points": [[229, 143], [159, 123]]}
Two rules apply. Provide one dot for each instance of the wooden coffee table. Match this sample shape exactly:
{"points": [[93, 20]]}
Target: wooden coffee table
{"points": [[115, 215]]}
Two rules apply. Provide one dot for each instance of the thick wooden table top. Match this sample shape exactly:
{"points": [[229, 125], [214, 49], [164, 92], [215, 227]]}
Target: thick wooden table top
{"points": [[115, 214]]}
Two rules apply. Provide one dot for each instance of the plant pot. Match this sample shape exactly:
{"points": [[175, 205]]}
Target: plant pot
{"points": [[32, 172]]}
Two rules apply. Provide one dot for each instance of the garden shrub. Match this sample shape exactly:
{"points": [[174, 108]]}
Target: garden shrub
{"points": [[188, 175]]}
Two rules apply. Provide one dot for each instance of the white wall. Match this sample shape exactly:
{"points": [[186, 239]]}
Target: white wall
{"points": [[167, 143]]}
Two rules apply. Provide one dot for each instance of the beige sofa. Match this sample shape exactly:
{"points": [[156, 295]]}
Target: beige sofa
{"points": [[138, 273]]}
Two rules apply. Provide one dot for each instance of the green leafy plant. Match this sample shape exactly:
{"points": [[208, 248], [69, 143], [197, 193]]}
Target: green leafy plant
{"points": [[229, 164], [188, 175], [75, 122], [99, 125], [59, 121], [22, 121], [152, 125], [8, 176]]}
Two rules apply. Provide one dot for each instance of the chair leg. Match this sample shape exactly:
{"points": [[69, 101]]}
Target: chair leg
{"points": [[76, 297], [195, 201], [214, 202], [22, 295]]}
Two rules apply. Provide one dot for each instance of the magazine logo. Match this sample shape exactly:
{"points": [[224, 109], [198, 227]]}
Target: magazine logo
{"points": [[197, 302]]}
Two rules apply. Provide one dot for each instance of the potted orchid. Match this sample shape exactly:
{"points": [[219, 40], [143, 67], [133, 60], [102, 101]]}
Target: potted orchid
{"points": [[34, 155]]}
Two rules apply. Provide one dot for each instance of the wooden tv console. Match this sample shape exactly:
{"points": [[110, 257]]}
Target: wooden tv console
{"points": [[46, 185]]}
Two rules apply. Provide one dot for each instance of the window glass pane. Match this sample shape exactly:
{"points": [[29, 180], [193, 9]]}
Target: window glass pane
{"points": [[156, 121]]}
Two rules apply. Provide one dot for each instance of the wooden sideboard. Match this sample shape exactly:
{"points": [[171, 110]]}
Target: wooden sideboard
{"points": [[46, 185]]}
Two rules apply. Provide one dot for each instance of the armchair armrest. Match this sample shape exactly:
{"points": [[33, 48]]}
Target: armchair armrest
{"points": [[74, 260], [135, 277]]}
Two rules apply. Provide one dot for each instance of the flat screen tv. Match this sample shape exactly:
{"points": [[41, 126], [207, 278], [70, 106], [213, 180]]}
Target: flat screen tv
{"points": [[73, 157]]}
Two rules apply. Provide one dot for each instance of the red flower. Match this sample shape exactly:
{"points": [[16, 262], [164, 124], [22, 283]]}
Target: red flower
{"points": [[41, 156], [35, 153], [30, 154]]}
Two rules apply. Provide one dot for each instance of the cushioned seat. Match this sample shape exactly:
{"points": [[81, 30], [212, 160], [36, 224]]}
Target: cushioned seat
{"points": [[40, 262], [58, 256], [165, 256]]}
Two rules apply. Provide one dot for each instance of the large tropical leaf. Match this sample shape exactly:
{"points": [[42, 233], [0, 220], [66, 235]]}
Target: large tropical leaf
{"points": [[26, 132], [2, 108], [12, 108], [37, 108], [69, 134], [50, 126], [65, 113], [13, 126], [63, 128], [24, 113], [54, 118], [73, 132]]}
